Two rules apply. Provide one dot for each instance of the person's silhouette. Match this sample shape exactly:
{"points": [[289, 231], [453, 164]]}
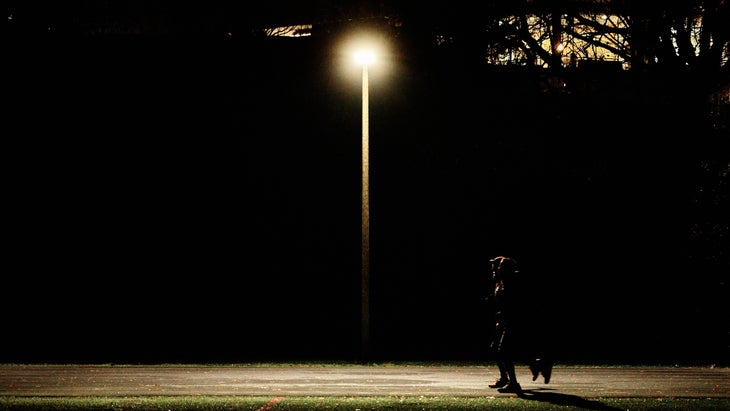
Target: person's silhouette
{"points": [[510, 330]]}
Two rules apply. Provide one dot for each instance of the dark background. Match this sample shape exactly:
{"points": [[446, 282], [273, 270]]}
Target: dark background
{"points": [[194, 197]]}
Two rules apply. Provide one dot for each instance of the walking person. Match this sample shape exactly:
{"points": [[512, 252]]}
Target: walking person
{"points": [[504, 342], [512, 331]]}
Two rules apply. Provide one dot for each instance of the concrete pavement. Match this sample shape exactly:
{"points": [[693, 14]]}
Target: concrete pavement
{"points": [[355, 380]]}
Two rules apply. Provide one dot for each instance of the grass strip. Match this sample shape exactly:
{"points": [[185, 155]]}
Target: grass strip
{"points": [[257, 403]]}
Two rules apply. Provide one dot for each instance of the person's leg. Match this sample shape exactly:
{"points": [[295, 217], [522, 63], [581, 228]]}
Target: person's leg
{"points": [[513, 385], [510, 368], [507, 353], [503, 376], [498, 349]]}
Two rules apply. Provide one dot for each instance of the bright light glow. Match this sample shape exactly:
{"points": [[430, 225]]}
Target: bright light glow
{"points": [[360, 50], [365, 57]]}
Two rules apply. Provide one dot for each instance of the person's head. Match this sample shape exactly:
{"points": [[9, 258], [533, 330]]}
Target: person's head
{"points": [[494, 264], [503, 267]]}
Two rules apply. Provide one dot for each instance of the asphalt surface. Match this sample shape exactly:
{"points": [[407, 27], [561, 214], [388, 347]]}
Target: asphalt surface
{"points": [[355, 380]]}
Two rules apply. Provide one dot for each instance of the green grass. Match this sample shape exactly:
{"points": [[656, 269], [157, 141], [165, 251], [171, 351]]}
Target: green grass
{"points": [[184, 403], [359, 403]]}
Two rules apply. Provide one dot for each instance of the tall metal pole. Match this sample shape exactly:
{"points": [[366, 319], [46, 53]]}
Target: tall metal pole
{"points": [[365, 276]]}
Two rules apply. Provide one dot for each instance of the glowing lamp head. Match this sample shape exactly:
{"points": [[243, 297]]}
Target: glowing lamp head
{"points": [[365, 57]]}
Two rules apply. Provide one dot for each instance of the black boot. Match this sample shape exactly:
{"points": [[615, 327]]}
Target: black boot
{"points": [[511, 387], [501, 382]]}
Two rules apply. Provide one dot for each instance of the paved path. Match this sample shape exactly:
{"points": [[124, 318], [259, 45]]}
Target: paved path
{"points": [[355, 380]]}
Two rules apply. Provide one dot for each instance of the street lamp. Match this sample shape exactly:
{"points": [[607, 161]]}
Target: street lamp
{"points": [[365, 58]]}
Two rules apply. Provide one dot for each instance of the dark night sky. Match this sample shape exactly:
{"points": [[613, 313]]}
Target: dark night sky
{"points": [[199, 200]]}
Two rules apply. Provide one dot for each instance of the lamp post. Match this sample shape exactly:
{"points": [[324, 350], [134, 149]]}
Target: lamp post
{"points": [[365, 58]]}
